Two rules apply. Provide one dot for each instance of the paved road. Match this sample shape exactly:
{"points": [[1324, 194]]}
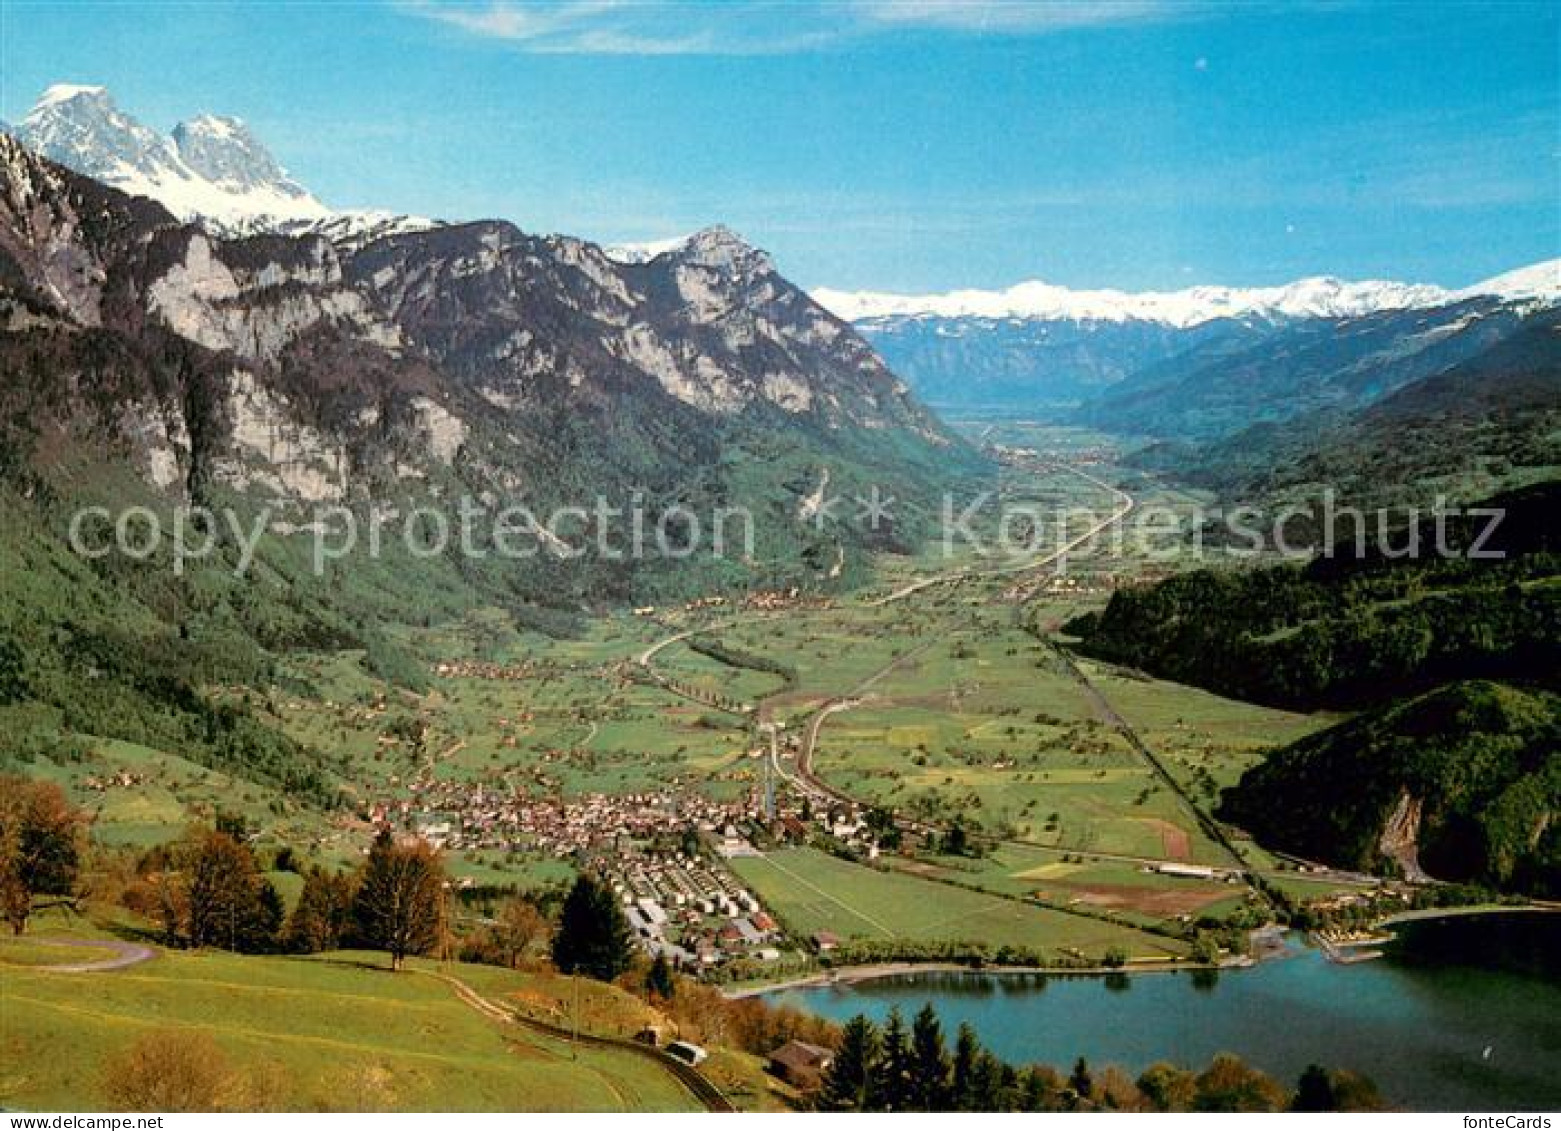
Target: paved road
{"points": [[645, 661], [649, 654], [125, 954]]}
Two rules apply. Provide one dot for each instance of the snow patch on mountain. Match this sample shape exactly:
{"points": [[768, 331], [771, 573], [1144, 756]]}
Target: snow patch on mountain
{"points": [[634, 253], [1538, 281], [65, 91]]}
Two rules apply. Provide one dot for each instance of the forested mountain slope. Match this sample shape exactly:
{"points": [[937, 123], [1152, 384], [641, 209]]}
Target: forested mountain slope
{"points": [[1463, 783]]}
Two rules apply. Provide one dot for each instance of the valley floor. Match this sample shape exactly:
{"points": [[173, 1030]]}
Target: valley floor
{"points": [[939, 693]]}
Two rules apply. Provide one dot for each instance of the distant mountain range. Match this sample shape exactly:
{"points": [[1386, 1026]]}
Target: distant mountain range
{"points": [[1260, 393], [1043, 302], [1038, 345], [1321, 297]]}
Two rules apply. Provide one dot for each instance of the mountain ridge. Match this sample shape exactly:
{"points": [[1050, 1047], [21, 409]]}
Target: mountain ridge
{"points": [[473, 354], [1310, 297]]}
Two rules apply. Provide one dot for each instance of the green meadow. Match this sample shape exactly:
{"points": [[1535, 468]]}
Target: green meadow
{"points": [[332, 1033], [814, 891]]}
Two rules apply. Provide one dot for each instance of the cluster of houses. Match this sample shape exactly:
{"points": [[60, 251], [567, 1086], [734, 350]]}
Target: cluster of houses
{"points": [[1083, 457], [662, 850], [483, 669], [463, 815], [774, 600], [1079, 585], [120, 779], [690, 911]]}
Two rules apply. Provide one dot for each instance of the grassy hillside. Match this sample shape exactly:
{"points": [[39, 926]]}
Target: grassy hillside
{"points": [[331, 1033], [1478, 759]]}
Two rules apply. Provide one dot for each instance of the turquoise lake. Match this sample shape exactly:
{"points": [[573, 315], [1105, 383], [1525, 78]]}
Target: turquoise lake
{"points": [[1462, 1013]]}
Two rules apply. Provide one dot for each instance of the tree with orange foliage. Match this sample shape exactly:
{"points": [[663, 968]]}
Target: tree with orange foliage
{"points": [[40, 846], [400, 902]]}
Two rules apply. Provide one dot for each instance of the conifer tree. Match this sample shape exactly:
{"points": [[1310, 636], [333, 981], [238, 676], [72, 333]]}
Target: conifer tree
{"points": [[891, 1088], [593, 937], [658, 979], [929, 1067], [966, 1049], [848, 1080]]}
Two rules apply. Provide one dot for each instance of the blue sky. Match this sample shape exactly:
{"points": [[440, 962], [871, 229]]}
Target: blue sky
{"points": [[889, 144]]}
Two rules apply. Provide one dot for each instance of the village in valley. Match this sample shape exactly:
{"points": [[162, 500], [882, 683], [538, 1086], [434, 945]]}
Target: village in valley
{"points": [[663, 853]]}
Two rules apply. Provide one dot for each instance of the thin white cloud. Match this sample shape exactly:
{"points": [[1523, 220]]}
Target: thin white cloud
{"points": [[1015, 16], [640, 27], [763, 27]]}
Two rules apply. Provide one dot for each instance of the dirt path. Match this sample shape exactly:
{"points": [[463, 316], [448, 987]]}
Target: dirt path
{"points": [[708, 1095], [126, 954]]}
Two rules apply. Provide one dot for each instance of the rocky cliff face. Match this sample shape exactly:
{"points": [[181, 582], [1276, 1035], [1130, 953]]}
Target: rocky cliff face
{"points": [[525, 319], [466, 357]]}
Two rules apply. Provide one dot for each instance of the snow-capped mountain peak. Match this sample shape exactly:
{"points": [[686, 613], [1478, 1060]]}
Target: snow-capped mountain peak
{"points": [[80, 126], [66, 91], [211, 169], [225, 152], [1304, 298]]}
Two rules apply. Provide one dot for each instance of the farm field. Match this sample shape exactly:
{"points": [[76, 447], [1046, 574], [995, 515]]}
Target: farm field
{"points": [[682, 663], [1206, 740], [814, 891], [990, 725], [1074, 879]]}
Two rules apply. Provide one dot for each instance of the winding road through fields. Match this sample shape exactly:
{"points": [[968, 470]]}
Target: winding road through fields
{"points": [[126, 954], [805, 778]]}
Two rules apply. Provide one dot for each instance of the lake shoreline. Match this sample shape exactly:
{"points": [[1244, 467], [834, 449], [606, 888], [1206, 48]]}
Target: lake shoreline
{"points": [[878, 971]]}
